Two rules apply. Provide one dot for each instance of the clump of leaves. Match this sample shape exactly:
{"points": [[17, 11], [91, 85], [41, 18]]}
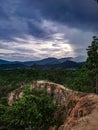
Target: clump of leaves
{"points": [[33, 111]]}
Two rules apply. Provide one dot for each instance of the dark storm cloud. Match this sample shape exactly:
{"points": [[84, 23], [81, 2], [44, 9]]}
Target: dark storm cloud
{"points": [[35, 30], [3, 14], [35, 23], [75, 13], [13, 56], [25, 16], [19, 18]]}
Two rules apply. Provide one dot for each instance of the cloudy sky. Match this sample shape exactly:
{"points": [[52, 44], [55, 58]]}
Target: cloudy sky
{"points": [[37, 29]]}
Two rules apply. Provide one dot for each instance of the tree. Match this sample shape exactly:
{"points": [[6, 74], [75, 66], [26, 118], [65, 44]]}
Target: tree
{"points": [[33, 111], [92, 60]]}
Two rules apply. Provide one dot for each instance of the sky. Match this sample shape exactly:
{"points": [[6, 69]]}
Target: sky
{"points": [[37, 29]]}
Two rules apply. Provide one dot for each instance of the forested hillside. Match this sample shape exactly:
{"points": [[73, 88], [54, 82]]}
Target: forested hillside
{"points": [[35, 108]]}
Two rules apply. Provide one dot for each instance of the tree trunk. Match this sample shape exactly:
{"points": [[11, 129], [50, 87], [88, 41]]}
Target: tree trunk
{"points": [[96, 83]]}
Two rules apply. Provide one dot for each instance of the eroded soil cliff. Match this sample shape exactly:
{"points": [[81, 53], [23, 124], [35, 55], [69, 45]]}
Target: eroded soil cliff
{"points": [[78, 111]]}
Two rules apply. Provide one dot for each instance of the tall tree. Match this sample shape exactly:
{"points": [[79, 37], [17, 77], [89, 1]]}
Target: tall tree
{"points": [[92, 60]]}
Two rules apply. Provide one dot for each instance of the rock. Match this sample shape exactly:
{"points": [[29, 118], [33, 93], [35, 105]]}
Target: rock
{"points": [[78, 111], [14, 95], [57, 91], [84, 115]]}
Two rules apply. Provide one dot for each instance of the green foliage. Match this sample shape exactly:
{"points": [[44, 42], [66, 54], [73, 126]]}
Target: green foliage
{"points": [[12, 79], [92, 62], [92, 51], [33, 111], [80, 79], [3, 100]]}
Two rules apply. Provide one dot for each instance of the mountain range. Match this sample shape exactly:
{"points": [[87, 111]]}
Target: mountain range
{"points": [[51, 62]]}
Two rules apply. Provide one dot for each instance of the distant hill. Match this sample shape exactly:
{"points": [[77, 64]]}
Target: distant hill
{"points": [[65, 59], [70, 64], [12, 66], [4, 62], [66, 64], [51, 62]]}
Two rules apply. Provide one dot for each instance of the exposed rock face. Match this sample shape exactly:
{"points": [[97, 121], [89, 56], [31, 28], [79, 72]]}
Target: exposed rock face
{"points": [[78, 111], [83, 115], [14, 95], [57, 91]]}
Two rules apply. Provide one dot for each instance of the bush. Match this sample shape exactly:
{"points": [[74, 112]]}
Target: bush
{"points": [[33, 111]]}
